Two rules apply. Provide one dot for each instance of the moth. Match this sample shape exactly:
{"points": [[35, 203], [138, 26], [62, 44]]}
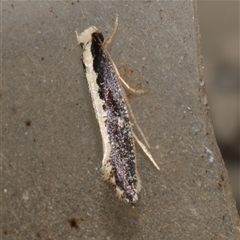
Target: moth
{"points": [[112, 111]]}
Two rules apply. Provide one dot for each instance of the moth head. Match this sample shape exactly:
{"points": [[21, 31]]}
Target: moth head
{"points": [[85, 38]]}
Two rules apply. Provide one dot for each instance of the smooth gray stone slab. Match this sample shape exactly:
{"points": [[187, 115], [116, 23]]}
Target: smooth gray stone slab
{"points": [[52, 185]]}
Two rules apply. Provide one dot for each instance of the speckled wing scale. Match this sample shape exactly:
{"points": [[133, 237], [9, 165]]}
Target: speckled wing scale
{"points": [[119, 164]]}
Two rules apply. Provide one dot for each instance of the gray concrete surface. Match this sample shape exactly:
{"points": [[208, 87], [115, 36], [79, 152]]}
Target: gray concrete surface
{"points": [[220, 38], [52, 185]]}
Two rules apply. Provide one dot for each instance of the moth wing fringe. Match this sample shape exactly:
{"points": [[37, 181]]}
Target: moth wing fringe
{"points": [[109, 178]]}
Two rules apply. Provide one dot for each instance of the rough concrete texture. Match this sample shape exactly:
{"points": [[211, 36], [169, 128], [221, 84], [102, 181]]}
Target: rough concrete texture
{"points": [[52, 185], [220, 38]]}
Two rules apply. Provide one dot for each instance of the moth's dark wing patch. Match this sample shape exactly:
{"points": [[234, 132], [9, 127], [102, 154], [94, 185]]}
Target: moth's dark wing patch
{"points": [[117, 122], [97, 38]]}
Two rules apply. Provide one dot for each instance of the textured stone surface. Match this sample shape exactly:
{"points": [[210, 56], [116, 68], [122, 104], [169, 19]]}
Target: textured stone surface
{"points": [[51, 146], [220, 39]]}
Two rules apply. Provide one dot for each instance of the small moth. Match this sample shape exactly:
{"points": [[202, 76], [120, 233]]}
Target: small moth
{"points": [[112, 110]]}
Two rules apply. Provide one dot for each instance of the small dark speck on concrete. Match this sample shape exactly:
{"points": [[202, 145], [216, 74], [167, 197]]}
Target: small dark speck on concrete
{"points": [[42, 58], [38, 235], [222, 177], [161, 13], [73, 222], [28, 123]]}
